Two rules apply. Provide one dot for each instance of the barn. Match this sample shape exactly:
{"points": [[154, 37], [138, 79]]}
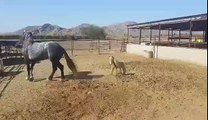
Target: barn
{"points": [[182, 38]]}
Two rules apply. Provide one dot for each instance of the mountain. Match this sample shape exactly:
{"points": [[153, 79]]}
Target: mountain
{"points": [[117, 30], [45, 29], [112, 31], [77, 30]]}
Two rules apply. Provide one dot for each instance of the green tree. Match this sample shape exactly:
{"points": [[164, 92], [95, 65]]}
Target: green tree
{"points": [[94, 32]]}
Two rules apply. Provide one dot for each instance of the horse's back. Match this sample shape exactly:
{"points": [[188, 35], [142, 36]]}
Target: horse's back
{"points": [[44, 50]]}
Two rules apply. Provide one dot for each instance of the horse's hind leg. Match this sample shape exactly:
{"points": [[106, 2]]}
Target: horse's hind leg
{"points": [[61, 67], [31, 70], [28, 71], [54, 65]]}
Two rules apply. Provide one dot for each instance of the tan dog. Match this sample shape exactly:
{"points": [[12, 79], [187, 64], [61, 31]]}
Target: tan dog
{"points": [[119, 66]]}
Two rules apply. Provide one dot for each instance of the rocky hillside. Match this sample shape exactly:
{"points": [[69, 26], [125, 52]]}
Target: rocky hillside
{"points": [[77, 30], [46, 29], [115, 31]]}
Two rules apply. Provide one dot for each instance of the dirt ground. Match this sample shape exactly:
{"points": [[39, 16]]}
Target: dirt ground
{"points": [[152, 89]]}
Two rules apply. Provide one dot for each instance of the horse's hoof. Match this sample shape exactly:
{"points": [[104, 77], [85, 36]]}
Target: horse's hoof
{"points": [[75, 75], [31, 79], [49, 79], [62, 79]]}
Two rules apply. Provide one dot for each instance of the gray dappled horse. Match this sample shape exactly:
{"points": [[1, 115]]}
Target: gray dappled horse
{"points": [[33, 52]]}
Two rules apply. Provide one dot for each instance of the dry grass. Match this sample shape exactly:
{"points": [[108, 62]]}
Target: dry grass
{"points": [[158, 90]]}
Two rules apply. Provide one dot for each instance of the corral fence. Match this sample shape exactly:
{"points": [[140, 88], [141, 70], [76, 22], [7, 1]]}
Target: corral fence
{"points": [[11, 48], [92, 46]]}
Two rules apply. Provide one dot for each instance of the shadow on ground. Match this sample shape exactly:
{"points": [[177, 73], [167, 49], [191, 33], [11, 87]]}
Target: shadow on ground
{"points": [[8, 75], [13, 61], [83, 75]]}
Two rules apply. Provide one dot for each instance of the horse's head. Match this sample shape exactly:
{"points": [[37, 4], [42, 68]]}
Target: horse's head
{"points": [[28, 36], [25, 40]]}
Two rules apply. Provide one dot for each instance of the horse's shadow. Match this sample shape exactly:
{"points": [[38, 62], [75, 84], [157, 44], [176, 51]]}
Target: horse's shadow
{"points": [[129, 73], [13, 61], [82, 75]]}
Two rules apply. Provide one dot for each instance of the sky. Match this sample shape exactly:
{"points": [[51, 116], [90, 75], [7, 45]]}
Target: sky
{"points": [[16, 14]]}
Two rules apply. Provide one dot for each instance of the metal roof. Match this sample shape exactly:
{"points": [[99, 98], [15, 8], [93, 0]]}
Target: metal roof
{"points": [[199, 23]]}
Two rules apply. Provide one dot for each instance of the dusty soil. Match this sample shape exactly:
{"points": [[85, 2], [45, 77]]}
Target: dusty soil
{"points": [[152, 90]]}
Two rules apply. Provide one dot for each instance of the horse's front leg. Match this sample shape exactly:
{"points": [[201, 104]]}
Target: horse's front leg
{"points": [[31, 70], [28, 71]]}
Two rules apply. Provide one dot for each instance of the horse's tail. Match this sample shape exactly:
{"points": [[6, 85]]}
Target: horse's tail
{"points": [[70, 63]]}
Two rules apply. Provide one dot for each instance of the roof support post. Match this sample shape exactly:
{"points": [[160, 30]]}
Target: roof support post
{"points": [[72, 46], [172, 37], [140, 35], [205, 34], [168, 34], [159, 32], [190, 33], [150, 35], [179, 36], [127, 36]]}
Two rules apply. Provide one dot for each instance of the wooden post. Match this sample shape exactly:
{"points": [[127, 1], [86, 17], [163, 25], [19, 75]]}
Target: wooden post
{"points": [[1, 66], [6, 51], [171, 37], [159, 32], [0, 51], [72, 46], [203, 36], [179, 37], [109, 44], [150, 35], [154, 47], [99, 46], [190, 33], [140, 35], [168, 34], [127, 36]]}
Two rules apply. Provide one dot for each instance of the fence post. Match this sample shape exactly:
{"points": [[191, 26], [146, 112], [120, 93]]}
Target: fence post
{"points": [[154, 47], [72, 46], [99, 46], [109, 44], [1, 66]]}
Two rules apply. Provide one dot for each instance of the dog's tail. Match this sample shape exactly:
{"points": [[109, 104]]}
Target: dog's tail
{"points": [[70, 63]]}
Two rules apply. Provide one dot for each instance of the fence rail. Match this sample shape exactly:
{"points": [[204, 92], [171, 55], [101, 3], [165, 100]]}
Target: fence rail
{"points": [[11, 48]]}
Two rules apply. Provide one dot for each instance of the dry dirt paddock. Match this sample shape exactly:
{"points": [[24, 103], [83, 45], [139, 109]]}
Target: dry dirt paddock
{"points": [[152, 90]]}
